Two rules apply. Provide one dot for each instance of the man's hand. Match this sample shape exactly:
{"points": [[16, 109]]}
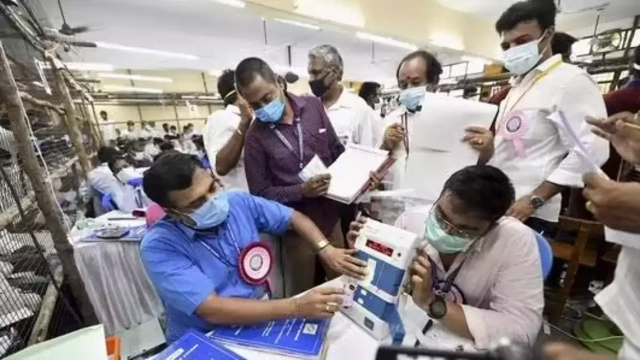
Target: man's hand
{"points": [[521, 209], [316, 186], [343, 262], [393, 135], [614, 204], [246, 113], [318, 303], [624, 138], [421, 280], [561, 351], [354, 230], [375, 181], [480, 139]]}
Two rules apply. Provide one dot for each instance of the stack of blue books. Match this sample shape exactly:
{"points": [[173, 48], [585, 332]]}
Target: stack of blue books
{"points": [[196, 346], [299, 338]]}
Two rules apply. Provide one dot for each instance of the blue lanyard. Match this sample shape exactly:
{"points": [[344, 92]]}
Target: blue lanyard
{"points": [[448, 281], [224, 259], [288, 144]]}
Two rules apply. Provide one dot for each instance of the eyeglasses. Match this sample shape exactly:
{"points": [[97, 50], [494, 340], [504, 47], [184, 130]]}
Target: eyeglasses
{"points": [[448, 227]]}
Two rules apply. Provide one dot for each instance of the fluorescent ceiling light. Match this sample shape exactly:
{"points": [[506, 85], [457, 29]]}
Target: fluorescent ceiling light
{"points": [[474, 59], [133, 89], [215, 73], [37, 83], [386, 40], [235, 3], [138, 50], [298, 23], [136, 77]]}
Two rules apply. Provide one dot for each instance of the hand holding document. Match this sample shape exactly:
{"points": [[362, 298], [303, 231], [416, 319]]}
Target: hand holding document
{"points": [[350, 173], [436, 149], [612, 235]]}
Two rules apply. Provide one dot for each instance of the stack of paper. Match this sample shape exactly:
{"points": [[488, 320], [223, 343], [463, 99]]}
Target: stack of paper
{"points": [[437, 150], [300, 338], [195, 346], [350, 173], [134, 234]]}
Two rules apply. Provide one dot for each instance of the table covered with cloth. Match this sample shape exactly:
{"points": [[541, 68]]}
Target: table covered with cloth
{"points": [[120, 291]]}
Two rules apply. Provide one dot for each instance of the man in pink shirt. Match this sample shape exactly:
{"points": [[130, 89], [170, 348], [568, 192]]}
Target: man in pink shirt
{"points": [[479, 272]]}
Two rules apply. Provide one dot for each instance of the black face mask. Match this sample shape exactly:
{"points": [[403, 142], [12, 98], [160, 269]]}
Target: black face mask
{"points": [[318, 87]]}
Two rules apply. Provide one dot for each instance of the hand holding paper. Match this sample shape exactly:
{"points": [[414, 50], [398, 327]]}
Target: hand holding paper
{"points": [[615, 204], [623, 134], [316, 186]]}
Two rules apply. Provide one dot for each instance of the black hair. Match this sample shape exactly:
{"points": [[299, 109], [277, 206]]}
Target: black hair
{"points": [[173, 127], [250, 68], [113, 161], [561, 43], [198, 140], [484, 191], [368, 89], [103, 112], [170, 172], [165, 125], [485, 94], [543, 11], [434, 68], [282, 82], [166, 146], [106, 153], [227, 87], [130, 122]]}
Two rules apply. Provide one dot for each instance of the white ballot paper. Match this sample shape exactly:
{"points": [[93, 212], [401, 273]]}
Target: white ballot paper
{"points": [[611, 235], [350, 173], [436, 148]]}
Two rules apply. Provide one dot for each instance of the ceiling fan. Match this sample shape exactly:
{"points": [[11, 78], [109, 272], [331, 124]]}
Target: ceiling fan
{"points": [[66, 29]]}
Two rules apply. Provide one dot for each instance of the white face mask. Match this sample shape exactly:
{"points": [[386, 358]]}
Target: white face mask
{"points": [[127, 174], [522, 58]]}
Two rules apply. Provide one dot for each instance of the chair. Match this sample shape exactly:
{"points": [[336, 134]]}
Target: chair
{"points": [[107, 203], [546, 254], [575, 254]]}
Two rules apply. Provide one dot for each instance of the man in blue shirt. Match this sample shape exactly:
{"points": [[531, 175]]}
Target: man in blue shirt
{"points": [[192, 254]]}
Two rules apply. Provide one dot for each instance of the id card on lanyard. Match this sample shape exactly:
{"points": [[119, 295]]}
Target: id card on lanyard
{"points": [[509, 105], [287, 144]]}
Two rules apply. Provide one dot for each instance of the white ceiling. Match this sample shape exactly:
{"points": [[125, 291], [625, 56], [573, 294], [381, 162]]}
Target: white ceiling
{"points": [[574, 13], [219, 35]]}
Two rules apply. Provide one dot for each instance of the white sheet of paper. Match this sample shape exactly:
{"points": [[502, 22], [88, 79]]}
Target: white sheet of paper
{"points": [[622, 237], [313, 168], [436, 149], [87, 343], [352, 170]]}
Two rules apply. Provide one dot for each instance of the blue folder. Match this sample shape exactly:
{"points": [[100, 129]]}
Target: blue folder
{"points": [[196, 346], [293, 337]]}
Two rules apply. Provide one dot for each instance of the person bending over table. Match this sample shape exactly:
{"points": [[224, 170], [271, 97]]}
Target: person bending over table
{"points": [[193, 255], [288, 132], [479, 272], [128, 194]]}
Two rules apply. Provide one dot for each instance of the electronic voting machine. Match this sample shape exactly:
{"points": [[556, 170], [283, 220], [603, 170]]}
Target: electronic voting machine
{"points": [[388, 252]]}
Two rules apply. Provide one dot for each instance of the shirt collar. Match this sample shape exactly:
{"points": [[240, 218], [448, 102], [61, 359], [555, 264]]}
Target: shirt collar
{"points": [[296, 102], [232, 109], [344, 101]]}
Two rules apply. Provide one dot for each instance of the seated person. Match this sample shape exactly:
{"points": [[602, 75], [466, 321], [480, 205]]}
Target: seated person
{"points": [[192, 254], [101, 178], [128, 196], [492, 261], [135, 154]]}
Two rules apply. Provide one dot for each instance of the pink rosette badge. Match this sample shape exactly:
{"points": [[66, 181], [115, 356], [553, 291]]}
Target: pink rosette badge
{"points": [[513, 129]]}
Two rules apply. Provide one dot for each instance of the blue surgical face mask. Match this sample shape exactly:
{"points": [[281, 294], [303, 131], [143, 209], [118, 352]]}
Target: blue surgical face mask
{"points": [[272, 112], [522, 58], [412, 98], [212, 213], [442, 241]]}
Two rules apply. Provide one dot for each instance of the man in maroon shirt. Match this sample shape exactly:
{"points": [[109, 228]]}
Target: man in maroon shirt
{"points": [[290, 130]]}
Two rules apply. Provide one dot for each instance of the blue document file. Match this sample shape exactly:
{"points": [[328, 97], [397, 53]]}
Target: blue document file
{"points": [[293, 337], [196, 346]]}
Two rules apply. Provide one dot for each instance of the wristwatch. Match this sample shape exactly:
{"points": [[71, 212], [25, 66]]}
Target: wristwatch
{"points": [[321, 245], [438, 308], [536, 202]]}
